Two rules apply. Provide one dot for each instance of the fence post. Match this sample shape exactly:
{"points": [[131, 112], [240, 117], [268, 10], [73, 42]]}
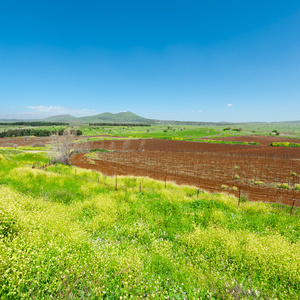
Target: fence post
{"points": [[116, 188], [140, 187]]}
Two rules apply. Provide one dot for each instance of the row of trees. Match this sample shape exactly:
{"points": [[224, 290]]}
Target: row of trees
{"points": [[119, 124], [34, 123], [34, 132]]}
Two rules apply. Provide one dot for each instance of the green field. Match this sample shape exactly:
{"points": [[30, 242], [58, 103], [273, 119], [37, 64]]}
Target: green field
{"points": [[189, 132], [181, 132], [67, 236]]}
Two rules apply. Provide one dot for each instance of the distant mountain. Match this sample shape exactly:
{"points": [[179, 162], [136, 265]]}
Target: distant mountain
{"points": [[107, 117], [130, 117], [60, 118], [122, 117]]}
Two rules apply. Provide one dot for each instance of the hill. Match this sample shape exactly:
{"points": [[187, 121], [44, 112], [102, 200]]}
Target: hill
{"points": [[122, 117], [130, 117], [61, 118]]}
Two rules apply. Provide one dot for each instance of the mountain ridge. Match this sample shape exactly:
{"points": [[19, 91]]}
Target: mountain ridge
{"points": [[128, 117]]}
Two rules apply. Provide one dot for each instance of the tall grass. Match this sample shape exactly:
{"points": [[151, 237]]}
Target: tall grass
{"points": [[71, 237]]}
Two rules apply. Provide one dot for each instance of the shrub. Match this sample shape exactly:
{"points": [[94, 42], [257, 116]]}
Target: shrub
{"points": [[297, 187], [284, 144], [38, 144], [275, 131], [11, 145], [283, 185], [243, 198], [259, 182], [99, 150]]}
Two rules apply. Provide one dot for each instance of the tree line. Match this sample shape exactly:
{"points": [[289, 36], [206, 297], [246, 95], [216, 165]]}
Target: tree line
{"points": [[119, 124], [35, 123], [34, 132]]}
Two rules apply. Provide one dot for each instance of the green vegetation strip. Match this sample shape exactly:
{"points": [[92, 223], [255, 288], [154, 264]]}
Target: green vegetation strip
{"points": [[284, 144], [71, 235], [228, 142]]}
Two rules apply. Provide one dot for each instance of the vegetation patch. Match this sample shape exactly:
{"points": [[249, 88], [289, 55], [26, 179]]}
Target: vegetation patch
{"points": [[99, 150], [68, 233], [284, 144]]}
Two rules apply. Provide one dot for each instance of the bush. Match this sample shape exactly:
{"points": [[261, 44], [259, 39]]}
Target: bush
{"points": [[284, 144], [297, 187], [38, 144], [99, 150], [243, 198], [275, 131], [283, 185]]}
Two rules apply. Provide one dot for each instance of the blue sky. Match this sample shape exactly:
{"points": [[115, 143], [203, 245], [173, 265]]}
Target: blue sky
{"points": [[182, 60]]}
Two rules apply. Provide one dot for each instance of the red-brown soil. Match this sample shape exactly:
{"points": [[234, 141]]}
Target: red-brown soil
{"points": [[207, 166], [29, 141], [259, 169], [263, 140]]}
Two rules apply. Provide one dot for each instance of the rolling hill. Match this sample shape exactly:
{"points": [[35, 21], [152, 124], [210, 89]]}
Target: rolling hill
{"points": [[107, 117]]}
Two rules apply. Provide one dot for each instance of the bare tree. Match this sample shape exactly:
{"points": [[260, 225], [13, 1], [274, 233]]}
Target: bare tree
{"points": [[61, 146]]}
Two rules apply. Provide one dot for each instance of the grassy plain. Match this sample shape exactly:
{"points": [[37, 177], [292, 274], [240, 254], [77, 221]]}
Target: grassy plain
{"points": [[67, 236], [193, 132], [181, 132]]}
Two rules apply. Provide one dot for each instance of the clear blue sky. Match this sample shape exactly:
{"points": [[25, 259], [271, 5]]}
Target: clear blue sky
{"points": [[228, 60]]}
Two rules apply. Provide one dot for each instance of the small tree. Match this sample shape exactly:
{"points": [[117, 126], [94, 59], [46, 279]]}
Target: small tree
{"points": [[61, 146]]}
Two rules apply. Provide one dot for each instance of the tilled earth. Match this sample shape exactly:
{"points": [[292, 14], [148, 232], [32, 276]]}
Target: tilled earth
{"points": [[251, 171]]}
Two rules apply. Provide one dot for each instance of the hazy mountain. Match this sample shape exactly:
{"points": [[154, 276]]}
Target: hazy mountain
{"points": [[122, 117], [129, 117], [60, 118]]}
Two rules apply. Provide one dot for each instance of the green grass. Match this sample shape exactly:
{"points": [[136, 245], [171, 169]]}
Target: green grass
{"points": [[71, 237], [193, 132], [161, 132], [284, 144]]}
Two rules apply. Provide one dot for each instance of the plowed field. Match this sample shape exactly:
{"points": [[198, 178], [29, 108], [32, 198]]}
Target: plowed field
{"points": [[253, 171]]}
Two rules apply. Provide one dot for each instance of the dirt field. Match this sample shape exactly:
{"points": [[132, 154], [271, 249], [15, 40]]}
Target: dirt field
{"points": [[252, 171], [263, 140], [30, 141]]}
